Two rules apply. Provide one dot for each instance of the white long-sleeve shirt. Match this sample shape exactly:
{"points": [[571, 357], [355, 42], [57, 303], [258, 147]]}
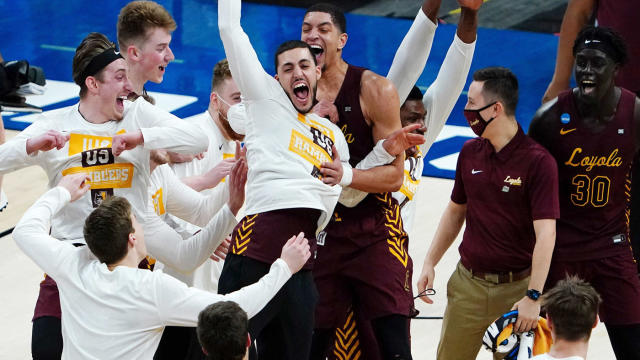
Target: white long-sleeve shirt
{"points": [[170, 196], [438, 100], [120, 314], [89, 151], [206, 276], [283, 146]]}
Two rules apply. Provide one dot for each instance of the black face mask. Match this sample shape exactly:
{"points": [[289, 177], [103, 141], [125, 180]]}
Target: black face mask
{"points": [[475, 120]]}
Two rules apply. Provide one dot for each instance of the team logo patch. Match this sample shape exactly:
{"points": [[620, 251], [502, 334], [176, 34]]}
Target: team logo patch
{"points": [[98, 196], [513, 182]]}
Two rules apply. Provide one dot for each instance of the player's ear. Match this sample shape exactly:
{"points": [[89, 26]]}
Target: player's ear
{"points": [[132, 52], [318, 72], [343, 40]]}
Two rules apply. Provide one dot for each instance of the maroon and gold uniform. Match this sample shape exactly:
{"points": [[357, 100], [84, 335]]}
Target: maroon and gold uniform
{"points": [[593, 230], [363, 255]]}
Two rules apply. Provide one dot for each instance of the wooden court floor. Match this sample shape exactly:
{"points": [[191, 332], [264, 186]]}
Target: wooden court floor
{"points": [[19, 276]]}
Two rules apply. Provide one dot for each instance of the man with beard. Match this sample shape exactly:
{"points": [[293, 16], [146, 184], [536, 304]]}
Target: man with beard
{"points": [[100, 136], [287, 145], [296, 160], [592, 131], [506, 189]]}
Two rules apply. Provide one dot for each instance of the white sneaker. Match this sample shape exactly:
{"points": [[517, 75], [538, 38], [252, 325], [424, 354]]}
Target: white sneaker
{"points": [[4, 201]]}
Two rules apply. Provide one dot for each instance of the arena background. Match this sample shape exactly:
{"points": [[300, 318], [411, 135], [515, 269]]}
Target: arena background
{"points": [[46, 34]]}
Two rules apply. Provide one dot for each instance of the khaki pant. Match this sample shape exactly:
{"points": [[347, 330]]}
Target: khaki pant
{"points": [[472, 305]]}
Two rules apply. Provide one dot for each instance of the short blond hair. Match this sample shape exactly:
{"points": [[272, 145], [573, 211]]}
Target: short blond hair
{"points": [[221, 72], [138, 17]]}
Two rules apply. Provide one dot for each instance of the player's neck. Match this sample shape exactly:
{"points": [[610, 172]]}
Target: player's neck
{"points": [[331, 80], [500, 131], [563, 349], [136, 78], [132, 259], [90, 108], [603, 108]]}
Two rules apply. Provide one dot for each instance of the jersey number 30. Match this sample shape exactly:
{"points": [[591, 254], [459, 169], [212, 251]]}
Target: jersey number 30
{"points": [[594, 191]]}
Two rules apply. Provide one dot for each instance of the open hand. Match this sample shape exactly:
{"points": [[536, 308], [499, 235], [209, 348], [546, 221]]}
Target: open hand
{"points": [[402, 139]]}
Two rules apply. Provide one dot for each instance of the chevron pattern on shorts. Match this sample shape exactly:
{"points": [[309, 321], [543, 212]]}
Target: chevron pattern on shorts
{"points": [[397, 236], [347, 345], [241, 237]]}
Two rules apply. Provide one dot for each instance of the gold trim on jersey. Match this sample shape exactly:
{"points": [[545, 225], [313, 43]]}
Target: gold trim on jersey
{"points": [[409, 186], [241, 236], [158, 203], [347, 344], [397, 236], [307, 149], [118, 175]]}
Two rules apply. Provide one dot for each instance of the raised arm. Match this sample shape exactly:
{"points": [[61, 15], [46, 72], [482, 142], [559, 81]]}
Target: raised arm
{"points": [[247, 72], [411, 57], [31, 234], [443, 94], [575, 18]]}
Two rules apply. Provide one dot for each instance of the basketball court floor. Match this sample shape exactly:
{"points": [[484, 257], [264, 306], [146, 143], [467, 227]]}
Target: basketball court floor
{"points": [[185, 92]]}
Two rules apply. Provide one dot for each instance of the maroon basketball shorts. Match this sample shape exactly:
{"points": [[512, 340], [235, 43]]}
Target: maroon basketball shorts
{"points": [[375, 279], [615, 278], [261, 236], [48, 303]]}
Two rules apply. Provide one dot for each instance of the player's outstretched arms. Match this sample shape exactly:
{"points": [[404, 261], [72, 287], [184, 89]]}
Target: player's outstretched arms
{"points": [[50, 140]]}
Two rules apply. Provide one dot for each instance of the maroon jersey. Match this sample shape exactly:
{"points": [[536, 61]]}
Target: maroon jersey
{"points": [[362, 222], [594, 172], [622, 16], [504, 192]]}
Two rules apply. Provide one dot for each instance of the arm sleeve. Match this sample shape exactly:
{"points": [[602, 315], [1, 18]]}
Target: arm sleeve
{"points": [[543, 189], [185, 255], [412, 55], [163, 130], [254, 83], [443, 94], [190, 205], [31, 234], [180, 305], [13, 153]]}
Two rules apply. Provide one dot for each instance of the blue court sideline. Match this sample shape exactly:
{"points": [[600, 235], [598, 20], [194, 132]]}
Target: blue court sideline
{"points": [[47, 32]]}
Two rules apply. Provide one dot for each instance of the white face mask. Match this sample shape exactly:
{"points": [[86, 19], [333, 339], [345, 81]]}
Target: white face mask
{"points": [[237, 117]]}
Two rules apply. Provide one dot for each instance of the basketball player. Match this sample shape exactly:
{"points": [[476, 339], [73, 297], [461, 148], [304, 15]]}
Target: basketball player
{"points": [[365, 119], [91, 137], [286, 195], [593, 132], [430, 111], [144, 34], [112, 309]]}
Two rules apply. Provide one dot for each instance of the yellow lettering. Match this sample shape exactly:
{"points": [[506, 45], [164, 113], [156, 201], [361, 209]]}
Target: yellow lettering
{"points": [[591, 161]]}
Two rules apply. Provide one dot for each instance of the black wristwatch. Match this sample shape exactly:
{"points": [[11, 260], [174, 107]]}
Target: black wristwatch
{"points": [[533, 294]]}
